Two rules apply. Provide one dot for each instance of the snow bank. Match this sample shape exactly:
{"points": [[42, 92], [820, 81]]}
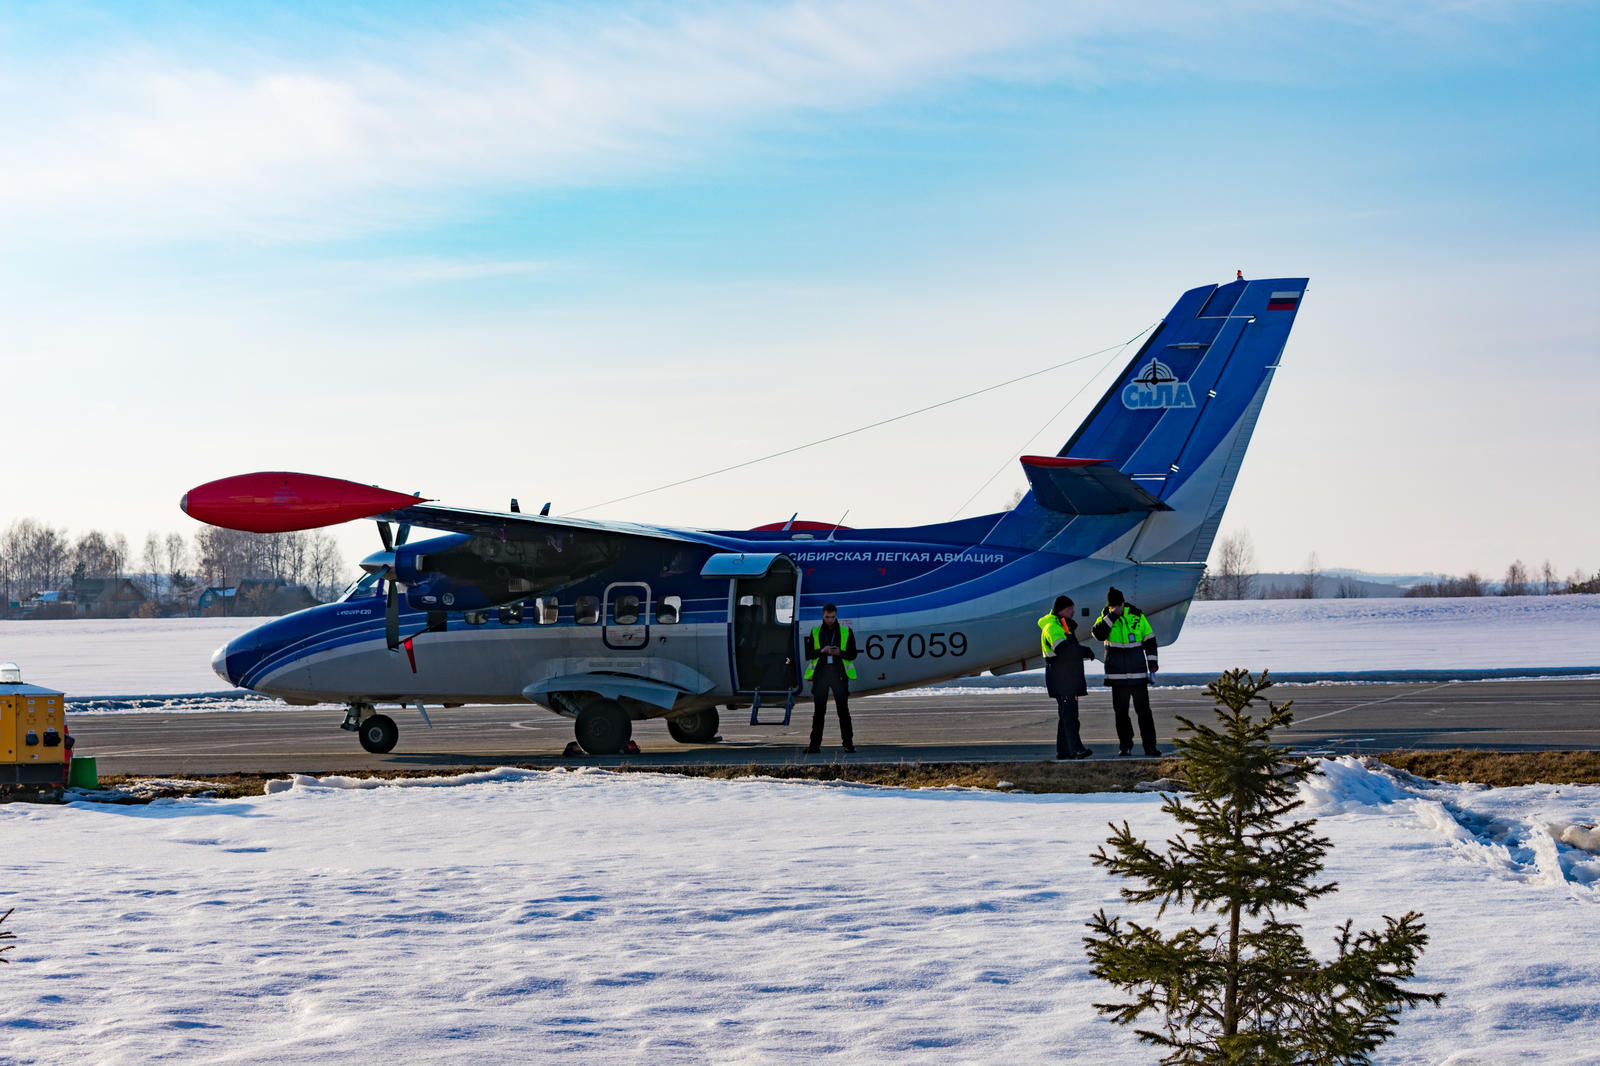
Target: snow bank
{"points": [[1538, 834], [599, 917]]}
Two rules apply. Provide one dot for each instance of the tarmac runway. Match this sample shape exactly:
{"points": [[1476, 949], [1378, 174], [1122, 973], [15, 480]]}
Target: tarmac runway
{"points": [[982, 727]]}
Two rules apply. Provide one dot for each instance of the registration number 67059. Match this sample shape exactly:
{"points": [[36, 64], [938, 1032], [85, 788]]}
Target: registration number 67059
{"points": [[916, 645]]}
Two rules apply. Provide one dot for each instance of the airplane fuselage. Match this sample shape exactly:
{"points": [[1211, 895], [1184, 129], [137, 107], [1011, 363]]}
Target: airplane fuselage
{"points": [[922, 611]]}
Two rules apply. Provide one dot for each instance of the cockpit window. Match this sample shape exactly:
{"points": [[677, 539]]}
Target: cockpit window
{"points": [[365, 585]]}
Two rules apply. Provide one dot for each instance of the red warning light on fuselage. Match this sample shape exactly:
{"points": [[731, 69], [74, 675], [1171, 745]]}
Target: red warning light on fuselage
{"points": [[281, 502]]}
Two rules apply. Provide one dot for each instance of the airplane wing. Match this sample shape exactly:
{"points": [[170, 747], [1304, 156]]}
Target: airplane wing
{"points": [[512, 525]]}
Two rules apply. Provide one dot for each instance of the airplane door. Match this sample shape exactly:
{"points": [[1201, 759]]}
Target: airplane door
{"points": [[765, 630], [625, 619]]}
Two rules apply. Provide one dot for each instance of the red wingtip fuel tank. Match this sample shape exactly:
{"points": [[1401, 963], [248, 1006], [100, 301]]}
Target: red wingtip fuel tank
{"points": [[281, 502]]}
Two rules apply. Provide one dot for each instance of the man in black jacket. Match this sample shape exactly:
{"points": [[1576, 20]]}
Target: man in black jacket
{"points": [[830, 665], [1063, 675]]}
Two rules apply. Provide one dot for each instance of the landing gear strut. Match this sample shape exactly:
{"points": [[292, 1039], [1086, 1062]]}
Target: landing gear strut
{"points": [[377, 732]]}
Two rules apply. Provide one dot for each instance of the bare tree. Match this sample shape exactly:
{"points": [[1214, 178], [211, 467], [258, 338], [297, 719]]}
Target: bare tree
{"points": [[1351, 589], [326, 565], [1310, 578], [97, 555], [34, 556], [1515, 583], [1549, 584], [150, 563], [1471, 585], [1236, 566], [176, 555]]}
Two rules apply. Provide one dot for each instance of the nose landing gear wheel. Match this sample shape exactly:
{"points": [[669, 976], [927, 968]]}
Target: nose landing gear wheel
{"points": [[698, 727], [603, 727], [379, 734]]}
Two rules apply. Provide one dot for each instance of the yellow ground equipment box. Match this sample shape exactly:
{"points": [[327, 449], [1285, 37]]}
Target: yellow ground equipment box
{"points": [[33, 732]]}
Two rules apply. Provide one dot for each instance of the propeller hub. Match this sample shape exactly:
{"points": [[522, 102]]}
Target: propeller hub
{"points": [[378, 562]]}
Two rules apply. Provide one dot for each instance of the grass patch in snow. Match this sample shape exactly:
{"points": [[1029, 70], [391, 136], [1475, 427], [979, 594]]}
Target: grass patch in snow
{"points": [[1076, 777], [1500, 768], [1087, 776]]}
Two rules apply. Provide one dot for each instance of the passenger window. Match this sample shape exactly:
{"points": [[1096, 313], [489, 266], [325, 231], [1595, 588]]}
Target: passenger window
{"points": [[547, 610], [667, 610], [475, 618], [625, 611], [586, 611], [511, 616], [784, 609]]}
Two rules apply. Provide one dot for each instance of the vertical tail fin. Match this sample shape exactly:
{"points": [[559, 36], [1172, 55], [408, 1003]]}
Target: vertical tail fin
{"points": [[1178, 419]]}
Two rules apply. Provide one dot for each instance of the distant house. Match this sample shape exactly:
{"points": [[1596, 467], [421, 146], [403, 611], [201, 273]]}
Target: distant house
{"points": [[106, 597], [268, 596], [48, 603], [216, 602]]}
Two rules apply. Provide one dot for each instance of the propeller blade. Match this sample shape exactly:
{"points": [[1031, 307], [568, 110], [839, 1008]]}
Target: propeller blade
{"points": [[387, 535], [403, 536], [391, 614]]}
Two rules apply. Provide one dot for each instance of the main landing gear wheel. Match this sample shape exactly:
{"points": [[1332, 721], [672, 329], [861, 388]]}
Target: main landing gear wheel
{"points": [[379, 734], [603, 727], [697, 727]]}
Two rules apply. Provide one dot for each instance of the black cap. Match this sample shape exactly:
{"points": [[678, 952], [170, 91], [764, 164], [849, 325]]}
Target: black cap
{"points": [[1063, 603], [1114, 596]]}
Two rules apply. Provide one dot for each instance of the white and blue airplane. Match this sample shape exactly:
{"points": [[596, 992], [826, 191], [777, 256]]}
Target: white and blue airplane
{"points": [[609, 623]]}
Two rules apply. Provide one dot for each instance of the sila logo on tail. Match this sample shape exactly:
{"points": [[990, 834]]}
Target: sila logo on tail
{"points": [[1156, 386]]}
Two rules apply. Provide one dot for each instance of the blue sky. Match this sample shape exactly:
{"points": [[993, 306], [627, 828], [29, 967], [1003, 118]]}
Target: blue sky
{"points": [[570, 252]]}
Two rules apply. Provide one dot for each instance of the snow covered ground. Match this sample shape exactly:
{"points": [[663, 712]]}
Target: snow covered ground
{"points": [[522, 916], [1469, 633], [103, 658], [114, 657]]}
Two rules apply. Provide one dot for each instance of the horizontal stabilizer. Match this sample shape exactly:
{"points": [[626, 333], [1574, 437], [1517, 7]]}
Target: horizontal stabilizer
{"points": [[1085, 486]]}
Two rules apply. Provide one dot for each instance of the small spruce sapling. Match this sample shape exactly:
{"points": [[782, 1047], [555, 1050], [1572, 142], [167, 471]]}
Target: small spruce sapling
{"points": [[1232, 992]]}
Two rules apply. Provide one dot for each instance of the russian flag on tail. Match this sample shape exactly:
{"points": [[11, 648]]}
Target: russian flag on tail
{"points": [[1283, 301]]}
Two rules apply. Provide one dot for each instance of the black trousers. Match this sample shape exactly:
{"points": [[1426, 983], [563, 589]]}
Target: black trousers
{"points": [[1068, 740], [1140, 694], [840, 687]]}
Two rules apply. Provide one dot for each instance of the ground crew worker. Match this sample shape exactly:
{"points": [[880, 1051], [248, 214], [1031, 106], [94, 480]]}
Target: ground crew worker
{"points": [[830, 667], [1130, 660], [1063, 675]]}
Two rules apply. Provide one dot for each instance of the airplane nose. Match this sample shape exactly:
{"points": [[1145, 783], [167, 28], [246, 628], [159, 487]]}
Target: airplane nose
{"points": [[219, 663]]}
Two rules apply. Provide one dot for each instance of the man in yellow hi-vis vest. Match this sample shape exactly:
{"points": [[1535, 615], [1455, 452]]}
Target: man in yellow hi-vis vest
{"points": [[1130, 660], [830, 667]]}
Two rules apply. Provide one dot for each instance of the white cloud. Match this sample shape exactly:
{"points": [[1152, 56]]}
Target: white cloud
{"points": [[271, 144]]}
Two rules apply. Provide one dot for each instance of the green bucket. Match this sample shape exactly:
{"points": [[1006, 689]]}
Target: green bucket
{"points": [[84, 773]]}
